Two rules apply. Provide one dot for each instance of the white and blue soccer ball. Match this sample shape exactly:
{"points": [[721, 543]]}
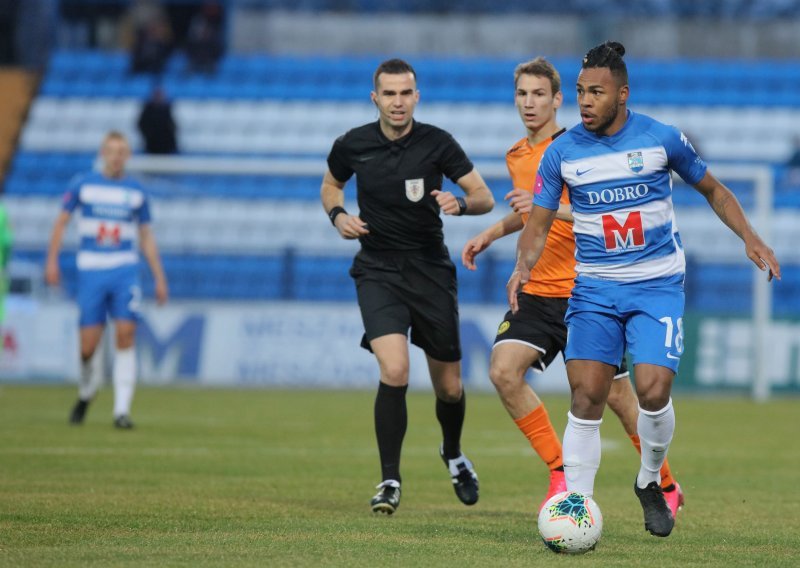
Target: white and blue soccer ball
{"points": [[570, 522]]}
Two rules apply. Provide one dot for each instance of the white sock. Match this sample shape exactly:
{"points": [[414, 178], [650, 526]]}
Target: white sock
{"points": [[91, 376], [581, 451], [655, 433], [124, 380]]}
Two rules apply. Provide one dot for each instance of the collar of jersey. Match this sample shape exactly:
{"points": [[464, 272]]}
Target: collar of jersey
{"points": [[400, 141]]}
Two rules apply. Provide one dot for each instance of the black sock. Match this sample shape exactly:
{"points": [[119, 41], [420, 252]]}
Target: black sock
{"points": [[451, 418], [391, 420]]}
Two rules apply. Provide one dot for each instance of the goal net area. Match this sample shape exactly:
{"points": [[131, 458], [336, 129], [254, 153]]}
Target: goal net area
{"points": [[262, 223]]}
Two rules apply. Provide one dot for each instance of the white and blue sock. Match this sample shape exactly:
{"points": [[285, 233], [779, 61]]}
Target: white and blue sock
{"points": [[581, 450], [124, 380], [655, 433]]}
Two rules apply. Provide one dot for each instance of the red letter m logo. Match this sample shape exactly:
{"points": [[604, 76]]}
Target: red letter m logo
{"points": [[629, 235], [106, 235]]}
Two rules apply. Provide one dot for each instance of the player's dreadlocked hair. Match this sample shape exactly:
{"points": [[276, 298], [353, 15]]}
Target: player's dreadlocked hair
{"points": [[608, 54], [393, 67]]}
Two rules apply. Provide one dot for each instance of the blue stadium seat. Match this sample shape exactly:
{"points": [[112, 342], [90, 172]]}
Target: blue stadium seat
{"points": [[710, 288], [480, 80], [323, 278], [722, 288]]}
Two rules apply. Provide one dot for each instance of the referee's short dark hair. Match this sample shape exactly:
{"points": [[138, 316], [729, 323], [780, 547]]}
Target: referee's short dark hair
{"points": [[393, 67], [608, 54]]}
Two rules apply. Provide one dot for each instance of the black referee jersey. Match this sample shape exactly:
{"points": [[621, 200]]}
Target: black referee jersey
{"points": [[394, 179]]}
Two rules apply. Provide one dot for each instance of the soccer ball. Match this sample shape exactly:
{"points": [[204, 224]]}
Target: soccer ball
{"points": [[570, 522]]}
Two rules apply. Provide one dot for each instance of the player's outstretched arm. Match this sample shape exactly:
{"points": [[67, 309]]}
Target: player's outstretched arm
{"points": [[529, 248], [511, 223], [147, 242], [52, 274], [478, 198], [332, 196], [729, 210]]}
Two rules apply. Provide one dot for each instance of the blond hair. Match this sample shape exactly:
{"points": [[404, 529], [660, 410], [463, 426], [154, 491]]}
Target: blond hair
{"points": [[114, 135], [539, 67]]}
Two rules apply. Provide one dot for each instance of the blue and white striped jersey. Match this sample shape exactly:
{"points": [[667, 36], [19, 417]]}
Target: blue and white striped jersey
{"points": [[621, 193], [111, 210]]}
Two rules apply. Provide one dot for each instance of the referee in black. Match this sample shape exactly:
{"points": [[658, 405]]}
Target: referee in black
{"points": [[403, 273]]}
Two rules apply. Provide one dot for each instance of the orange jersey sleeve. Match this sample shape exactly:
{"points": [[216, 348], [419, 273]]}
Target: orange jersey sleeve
{"points": [[554, 274]]}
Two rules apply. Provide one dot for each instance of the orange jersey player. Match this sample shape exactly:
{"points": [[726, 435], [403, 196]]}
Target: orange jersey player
{"points": [[536, 334], [555, 275]]}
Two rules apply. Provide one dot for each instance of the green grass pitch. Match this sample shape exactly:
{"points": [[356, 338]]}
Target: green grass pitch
{"points": [[283, 478]]}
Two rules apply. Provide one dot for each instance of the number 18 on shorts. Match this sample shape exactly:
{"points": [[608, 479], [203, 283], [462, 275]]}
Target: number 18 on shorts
{"points": [[604, 318]]}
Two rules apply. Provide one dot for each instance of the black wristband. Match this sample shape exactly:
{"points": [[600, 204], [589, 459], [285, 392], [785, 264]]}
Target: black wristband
{"points": [[462, 205], [334, 212]]}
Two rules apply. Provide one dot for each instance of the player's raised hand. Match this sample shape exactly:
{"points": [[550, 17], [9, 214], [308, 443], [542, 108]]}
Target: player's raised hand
{"points": [[350, 226], [762, 256], [518, 279], [473, 248], [519, 200], [447, 202]]}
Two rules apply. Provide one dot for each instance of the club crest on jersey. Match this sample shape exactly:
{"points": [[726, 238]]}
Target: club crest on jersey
{"points": [[635, 161], [415, 189]]}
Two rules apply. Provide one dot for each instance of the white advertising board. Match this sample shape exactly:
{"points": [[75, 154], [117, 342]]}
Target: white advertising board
{"points": [[303, 345], [296, 345]]}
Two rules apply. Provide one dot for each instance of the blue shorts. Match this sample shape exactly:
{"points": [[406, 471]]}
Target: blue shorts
{"points": [[605, 317], [115, 292]]}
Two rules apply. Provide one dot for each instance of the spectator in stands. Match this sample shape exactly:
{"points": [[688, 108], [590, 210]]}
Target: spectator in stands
{"points": [[114, 209], [403, 273], [157, 124], [152, 46], [8, 19], [204, 39], [35, 33]]}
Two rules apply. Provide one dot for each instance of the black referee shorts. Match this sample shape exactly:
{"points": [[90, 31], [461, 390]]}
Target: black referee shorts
{"points": [[539, 323], [398, 291]]}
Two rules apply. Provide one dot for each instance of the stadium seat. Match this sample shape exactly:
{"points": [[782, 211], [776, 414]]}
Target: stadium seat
{"points": [[240, 238]]}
